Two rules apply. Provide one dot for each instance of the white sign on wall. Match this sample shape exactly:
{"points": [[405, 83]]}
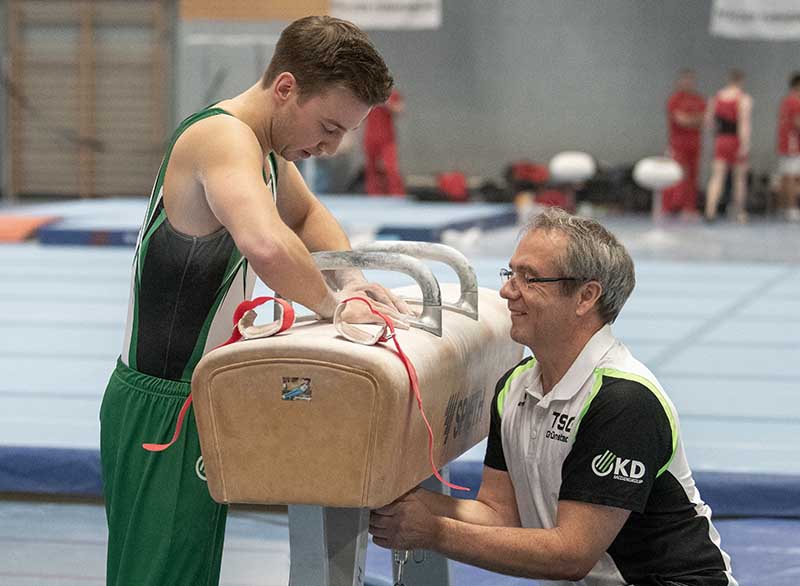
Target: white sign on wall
{"points": [[774, 20], [389, 14]]}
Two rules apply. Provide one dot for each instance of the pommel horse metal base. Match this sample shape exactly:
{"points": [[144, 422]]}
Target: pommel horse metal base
{"points": [[328, 547]]}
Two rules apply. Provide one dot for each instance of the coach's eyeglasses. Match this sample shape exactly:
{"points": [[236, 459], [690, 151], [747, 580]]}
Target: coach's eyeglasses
{"points": [[507, 275]]}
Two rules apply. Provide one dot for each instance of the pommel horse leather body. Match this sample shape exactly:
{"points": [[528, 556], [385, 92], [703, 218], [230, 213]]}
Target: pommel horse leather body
{"points": [[308, 417]]}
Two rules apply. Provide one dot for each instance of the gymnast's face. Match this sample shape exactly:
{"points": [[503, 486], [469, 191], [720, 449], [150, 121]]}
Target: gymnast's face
{"points": [[313, 125], [539, 311]]}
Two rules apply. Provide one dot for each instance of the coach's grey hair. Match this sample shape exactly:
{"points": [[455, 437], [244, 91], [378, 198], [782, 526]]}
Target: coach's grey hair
{"points": [[593, 253]]}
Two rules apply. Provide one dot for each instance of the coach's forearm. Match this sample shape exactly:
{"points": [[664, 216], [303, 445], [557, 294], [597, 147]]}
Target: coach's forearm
{"points": [[527, 553], [466, 510]]}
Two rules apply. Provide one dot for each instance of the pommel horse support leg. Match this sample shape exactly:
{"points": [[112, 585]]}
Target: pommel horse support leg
{"points": [[331, 428]]}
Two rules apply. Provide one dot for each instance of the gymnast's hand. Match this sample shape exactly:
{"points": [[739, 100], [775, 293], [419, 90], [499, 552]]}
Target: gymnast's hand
{"points": [[382, 300], [407, 523], [379, 293]]}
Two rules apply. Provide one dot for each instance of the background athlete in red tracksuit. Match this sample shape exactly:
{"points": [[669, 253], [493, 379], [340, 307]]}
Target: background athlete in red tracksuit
{"points": [[685, 111], [382, 173]]}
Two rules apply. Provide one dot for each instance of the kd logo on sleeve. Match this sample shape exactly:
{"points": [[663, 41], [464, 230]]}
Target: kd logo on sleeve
{"points": [[624, 469]]}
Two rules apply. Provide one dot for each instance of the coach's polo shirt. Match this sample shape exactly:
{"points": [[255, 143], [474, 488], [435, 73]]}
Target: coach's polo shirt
{"points": [[607, 434]]}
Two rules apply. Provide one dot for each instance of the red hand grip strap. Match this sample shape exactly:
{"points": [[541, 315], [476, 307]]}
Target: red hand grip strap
{"points": [[244, 307], [414, 380], [286, 322]]}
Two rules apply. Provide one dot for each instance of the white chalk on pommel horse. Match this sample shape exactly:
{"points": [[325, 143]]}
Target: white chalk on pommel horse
{"points": [[331, 428]]}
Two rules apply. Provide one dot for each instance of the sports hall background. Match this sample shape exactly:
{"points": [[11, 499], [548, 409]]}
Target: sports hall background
{"points": [[715, 312]]}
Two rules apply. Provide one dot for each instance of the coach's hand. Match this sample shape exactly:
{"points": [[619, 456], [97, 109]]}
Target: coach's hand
{"points": [[407, 523]]}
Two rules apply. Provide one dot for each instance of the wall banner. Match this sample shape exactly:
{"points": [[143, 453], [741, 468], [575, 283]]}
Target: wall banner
{"points": [[773, 20], [389, 14]]}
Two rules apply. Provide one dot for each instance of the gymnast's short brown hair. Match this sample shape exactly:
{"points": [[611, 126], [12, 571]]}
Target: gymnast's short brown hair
{"points": [[323, 51]]}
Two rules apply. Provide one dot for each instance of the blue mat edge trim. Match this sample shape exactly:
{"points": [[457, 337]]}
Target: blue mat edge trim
{"points": [[56, 471], [77, 472]]}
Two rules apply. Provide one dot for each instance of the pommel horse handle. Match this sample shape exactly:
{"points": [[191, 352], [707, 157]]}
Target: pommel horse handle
{"points": [[467, 303], [430, 319]]}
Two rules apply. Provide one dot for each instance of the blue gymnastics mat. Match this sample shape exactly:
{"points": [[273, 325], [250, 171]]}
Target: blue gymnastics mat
{"points": [[116, 222]]}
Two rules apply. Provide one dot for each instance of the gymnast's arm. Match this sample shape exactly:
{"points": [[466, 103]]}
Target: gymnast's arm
{"points": [[229, 168], [319, 230], [305, 214]]}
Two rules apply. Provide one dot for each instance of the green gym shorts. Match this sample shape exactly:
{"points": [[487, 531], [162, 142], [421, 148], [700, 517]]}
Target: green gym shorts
{"points": [[163, 527]]}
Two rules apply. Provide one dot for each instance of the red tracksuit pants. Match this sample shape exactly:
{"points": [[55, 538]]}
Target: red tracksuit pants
{"points": [[382, 172], [683, 196]]}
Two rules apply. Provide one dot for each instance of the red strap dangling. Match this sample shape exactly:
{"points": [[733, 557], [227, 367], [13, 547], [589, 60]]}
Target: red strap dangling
{"points": [[178, 426], [413, 380], [287, 320]]}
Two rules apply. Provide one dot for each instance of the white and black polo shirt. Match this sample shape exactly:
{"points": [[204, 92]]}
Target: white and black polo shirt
{"points": [[607, 434]]}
